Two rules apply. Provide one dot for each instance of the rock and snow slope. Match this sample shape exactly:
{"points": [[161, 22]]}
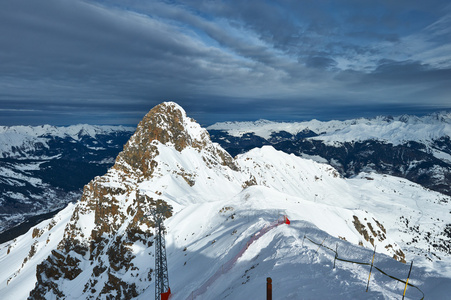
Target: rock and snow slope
{"points": [[220, 203], [20, 256]]}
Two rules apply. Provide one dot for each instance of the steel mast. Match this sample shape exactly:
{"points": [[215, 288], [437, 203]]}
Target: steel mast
{"points": [[162, 290]]}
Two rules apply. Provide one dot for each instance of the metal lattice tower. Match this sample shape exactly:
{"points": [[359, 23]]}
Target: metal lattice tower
{"points": [[161, 265]]}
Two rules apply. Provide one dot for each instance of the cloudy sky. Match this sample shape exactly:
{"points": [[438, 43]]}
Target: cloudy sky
{"points": [[66, 62]]}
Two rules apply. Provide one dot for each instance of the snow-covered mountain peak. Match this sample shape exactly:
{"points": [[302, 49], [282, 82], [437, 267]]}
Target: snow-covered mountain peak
{"points": [[169, 160], [167, 124]]}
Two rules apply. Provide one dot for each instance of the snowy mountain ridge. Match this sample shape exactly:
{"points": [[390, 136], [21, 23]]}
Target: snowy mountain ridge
{"points": [[219, 204], [418, 149], [42, 168], [19, 141], [394, 130]]}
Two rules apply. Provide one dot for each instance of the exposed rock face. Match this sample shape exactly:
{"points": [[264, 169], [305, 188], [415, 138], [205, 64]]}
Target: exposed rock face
{"points": [[377, 233], [109, 222], [168, 124]]}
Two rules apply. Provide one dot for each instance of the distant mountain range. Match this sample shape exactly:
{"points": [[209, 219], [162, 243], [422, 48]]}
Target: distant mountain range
{"points": [[418, 149], [43, 168]]}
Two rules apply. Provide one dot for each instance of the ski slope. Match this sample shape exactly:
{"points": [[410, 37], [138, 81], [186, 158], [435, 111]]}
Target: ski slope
{"points": [[229, 264], [299, 269]]}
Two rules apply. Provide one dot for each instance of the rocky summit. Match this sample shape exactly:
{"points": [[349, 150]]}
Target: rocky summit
{"points": [[224, 235]]}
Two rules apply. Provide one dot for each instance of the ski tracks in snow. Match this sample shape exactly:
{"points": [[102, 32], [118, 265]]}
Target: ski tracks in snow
{"points": [[228, 265]]}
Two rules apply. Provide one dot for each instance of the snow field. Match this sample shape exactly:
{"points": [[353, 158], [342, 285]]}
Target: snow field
{"points": [[205, 238], [298, 268]]}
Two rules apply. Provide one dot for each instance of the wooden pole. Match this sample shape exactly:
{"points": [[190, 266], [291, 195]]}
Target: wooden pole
{"points": [[407, 281], [336, 254], [268, 288], [369, 276], [320, 245]]}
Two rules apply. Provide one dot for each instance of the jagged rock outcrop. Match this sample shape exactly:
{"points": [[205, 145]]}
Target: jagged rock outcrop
{"points": [[167, 124], [109, 222]]}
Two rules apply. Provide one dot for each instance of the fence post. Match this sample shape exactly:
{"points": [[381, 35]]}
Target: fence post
{"points": [[268, 288], [407, 281], [320, 245], [369, 276], [336, 254]]}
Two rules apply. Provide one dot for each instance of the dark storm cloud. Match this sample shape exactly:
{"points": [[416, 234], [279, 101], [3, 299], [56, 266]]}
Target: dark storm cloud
{"points": [[111, 61], [74, 40], [86, 56], [404, 83], [303, 26], [394, 72], [320, 62]]}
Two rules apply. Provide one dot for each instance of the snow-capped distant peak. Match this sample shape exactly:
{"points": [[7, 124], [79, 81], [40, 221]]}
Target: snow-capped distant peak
{"points": [[395, 130], [17, 141]]}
